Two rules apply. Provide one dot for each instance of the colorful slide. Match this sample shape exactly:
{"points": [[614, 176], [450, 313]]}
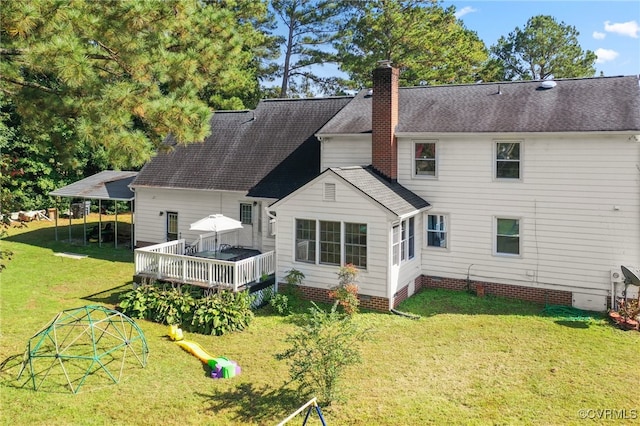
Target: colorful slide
{"points": [[220, 367], [195, 350]]}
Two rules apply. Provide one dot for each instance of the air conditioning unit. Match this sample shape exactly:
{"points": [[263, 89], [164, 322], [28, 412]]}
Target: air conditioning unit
{"points": [[616, 276]]}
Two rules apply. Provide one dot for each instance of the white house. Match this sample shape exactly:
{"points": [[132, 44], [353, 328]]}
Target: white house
{"points": [[530, 189]]}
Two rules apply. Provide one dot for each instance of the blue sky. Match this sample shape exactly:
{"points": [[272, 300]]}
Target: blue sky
{"points": [[611, 29]]}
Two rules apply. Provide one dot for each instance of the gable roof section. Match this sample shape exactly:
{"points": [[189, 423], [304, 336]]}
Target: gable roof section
{"points": [[267, 152], [390, 195], [573, 105], [106, 185]]}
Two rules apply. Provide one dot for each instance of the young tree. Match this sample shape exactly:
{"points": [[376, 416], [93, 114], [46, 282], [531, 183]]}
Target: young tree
{"points": [[311, 28], [428, 43], [324, 345], [122, 75], [544, 48]]}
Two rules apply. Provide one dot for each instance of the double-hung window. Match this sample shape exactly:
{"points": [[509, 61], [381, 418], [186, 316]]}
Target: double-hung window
{"points": [[507, 236], [306, 240], [403, 241], [437, 230], [355, 244], [508, 160], [330, 243], [425, 158]]}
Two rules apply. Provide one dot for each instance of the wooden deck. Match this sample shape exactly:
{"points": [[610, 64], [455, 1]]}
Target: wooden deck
{"points": [[172, 262]]}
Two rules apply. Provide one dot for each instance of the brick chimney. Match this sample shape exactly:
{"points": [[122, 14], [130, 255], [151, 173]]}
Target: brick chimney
{"points": [[384, 118]]}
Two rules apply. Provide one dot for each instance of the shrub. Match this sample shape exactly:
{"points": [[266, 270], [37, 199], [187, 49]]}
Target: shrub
{"points": [[222, 312], [346, 292], [217, 314], [172, 306], [280, 304], [138, 303]]}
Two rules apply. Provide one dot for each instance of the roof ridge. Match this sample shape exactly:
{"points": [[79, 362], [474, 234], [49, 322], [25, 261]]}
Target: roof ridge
{"points": [[323, 98]]}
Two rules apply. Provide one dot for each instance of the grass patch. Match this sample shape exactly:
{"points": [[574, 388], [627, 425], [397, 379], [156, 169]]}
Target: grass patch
{"points": [[467, 360]]}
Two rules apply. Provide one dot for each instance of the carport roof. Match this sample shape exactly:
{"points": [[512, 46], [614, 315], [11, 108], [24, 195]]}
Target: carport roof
{"points": [[106, 185]]}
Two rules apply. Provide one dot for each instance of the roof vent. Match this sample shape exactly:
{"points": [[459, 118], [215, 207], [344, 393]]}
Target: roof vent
{"points": [[548, 84]]}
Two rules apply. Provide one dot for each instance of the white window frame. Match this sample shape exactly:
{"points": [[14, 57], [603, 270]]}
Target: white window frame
{"points": [[172, 218], [354, 245], [495, 236], [332, 243], [249, 207], [300, 245], [402, 242], [445, 226], [414, 159], [520, 160]]}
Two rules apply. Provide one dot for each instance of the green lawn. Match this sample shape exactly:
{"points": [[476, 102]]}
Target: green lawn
{"points": [[465, 361]]}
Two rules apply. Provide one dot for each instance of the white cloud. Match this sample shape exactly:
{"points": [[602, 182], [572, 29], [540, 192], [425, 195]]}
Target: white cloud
{"points": [[605, 55], [629, 29], [465, 11], [598, 35]]}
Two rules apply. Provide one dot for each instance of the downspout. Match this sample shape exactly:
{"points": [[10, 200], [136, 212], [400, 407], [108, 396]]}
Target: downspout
{"points": [[390, 263]]}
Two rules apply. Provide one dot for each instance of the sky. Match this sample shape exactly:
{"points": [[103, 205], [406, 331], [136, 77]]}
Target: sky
{"points": [[609, 28]]}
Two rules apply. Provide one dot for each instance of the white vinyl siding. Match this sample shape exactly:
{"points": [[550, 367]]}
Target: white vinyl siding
{"points": [[337, 152], [150, 226], [350, 207], [571, 234]]}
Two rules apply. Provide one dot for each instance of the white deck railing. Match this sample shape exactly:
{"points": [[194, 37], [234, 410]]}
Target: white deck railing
{"points": [[166, 261]]}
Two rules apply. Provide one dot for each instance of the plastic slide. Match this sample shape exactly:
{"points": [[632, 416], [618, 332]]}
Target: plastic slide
{"points": [[196, 350], [221, 367]]}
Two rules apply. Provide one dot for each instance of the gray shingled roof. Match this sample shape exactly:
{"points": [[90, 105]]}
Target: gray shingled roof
{"points": [[267, 152], [106, 185], [391, 195], [573, 105]]}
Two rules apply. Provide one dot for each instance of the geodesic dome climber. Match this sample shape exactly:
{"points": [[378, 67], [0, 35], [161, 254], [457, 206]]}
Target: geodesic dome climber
{"points": [[86, 345]]}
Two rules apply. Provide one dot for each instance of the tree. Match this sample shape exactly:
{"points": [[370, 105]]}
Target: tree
{"points": [[122, 75], [31, 166], [311, 27], [544, 48], [428, 43]]}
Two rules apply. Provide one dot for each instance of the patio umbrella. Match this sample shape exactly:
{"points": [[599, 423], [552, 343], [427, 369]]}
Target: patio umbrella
{"points": [[216, 223]]}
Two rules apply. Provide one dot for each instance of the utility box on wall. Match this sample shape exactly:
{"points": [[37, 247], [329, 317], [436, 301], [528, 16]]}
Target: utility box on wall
{"points": [[590, 302]]}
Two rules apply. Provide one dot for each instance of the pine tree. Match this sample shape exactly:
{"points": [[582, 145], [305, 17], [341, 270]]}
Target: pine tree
{"points": [[428, 43], [122, 75], [544, 48]]}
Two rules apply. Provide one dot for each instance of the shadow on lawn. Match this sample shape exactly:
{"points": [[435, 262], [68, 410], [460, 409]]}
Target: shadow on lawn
{"points": [[45, 237], [253, 404], [110, 296], [430, 302]]}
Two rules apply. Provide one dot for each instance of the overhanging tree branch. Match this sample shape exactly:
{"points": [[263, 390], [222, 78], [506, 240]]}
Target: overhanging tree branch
{"points": [[29, 84]]}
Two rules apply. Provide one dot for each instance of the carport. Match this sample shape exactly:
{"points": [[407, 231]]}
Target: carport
{"points": [[108, 185]]}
